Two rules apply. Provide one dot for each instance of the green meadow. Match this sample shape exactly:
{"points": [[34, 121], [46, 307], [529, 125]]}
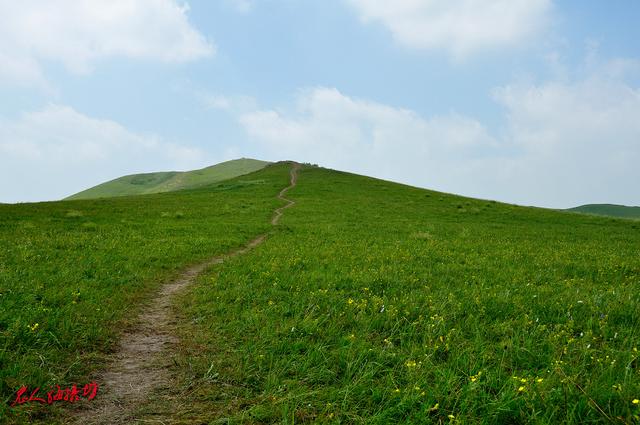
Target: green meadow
{"points": [[381, 303], [370, 303], [73, 273]]}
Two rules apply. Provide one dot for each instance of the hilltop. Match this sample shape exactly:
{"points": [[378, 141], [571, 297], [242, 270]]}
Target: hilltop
{"points": [[169, 181], [609, 210]]}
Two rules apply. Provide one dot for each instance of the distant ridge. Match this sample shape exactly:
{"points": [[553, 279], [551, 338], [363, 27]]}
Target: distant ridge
{"points": [[609, 210], [168, 181]]}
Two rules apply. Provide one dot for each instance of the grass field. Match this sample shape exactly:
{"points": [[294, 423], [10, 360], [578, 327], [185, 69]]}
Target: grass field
{"points": [[73, 273], [168, 181], [381, 303], [609, 210], [372, 302]]}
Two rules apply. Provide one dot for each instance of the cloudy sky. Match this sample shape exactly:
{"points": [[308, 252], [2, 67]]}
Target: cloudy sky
{"points": [[535, 102]]}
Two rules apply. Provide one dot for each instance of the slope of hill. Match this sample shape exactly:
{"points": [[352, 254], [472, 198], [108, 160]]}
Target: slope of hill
{"points": [[143, 184], [380, 303], [371, 302], [73, 274], [609, 210]]}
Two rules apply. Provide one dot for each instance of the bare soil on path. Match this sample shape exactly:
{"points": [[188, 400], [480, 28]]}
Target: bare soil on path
{"points": [[141, 361]]}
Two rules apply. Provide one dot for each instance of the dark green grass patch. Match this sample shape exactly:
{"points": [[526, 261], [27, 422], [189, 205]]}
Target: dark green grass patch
{"points": [[72, 274], [381, 303]]}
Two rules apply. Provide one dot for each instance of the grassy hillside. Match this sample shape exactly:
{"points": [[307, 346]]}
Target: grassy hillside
{"points": [[380, 303], [372, 303], [609, 210], [142, 184], [72, 273]]}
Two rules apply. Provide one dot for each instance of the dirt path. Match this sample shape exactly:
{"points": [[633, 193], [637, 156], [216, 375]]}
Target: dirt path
{"points": [[294, 180], [140, 363]]}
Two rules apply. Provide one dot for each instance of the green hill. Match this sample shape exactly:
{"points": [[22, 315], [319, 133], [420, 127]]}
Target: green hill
{"points": [[609, 210], [169, 181], [370, 303]]}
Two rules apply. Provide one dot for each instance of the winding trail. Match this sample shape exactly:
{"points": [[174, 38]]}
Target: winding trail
{"points": [[294, 180], [141, 361]]}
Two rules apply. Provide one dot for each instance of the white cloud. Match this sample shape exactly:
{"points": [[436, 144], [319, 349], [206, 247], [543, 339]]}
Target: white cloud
{"points": [[335, 130], [242, 6], [461, 27], [235, 104], [578, 142], [563, 144], [57, 151], [78, 33]]}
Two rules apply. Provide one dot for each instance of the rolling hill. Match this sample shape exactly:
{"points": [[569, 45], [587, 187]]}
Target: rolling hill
{"points": [[169, 181], [609, 210], [371, 302]]}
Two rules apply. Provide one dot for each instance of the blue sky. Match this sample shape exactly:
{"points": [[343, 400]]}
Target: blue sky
{"points": [[535, 102]]}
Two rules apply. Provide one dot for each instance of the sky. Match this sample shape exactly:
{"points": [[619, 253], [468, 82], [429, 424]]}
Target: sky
{"points": [[533, 102]]}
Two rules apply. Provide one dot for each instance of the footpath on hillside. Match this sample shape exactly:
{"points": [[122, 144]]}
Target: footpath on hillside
{"points": [[141, 361]]}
